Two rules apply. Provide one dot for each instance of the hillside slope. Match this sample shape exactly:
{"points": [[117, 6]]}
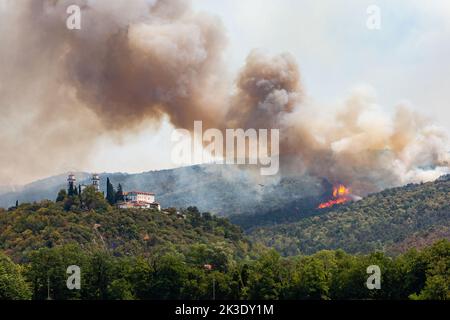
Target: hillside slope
{"points": [[219, 189], [121, 232], [392, 220]]}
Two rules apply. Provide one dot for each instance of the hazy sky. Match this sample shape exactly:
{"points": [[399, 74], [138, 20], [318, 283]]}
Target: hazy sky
{"points": [[405, 61]]}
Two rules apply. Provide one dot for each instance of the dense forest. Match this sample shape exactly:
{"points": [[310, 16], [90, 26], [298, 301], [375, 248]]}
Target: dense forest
{"points": [[169, 274], [90, 221], [188, 254], [390, 221]]}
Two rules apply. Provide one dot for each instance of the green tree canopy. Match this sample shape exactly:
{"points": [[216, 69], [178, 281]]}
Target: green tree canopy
{"points": [[13, 285]]}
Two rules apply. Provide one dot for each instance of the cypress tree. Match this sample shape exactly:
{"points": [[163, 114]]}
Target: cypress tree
{"points": [[70, 192], [110, 193], [119, 194]]}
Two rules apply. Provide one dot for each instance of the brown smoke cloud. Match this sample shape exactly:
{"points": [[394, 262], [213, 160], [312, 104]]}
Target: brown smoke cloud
{"points": [[358, 143], [132, 62], [135, 62], [267, 89], [364, 147]]}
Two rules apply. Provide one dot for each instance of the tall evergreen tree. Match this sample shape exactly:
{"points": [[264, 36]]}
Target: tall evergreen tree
{"points": [[110, 193], [119, 194], [70, 191]]}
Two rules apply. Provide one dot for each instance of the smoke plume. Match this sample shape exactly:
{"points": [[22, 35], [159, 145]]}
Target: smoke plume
{"points": [[135, 62]]}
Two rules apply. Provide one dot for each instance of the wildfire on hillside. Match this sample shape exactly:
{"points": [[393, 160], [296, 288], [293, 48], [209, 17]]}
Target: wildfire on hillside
{"points": [[341, 194]]}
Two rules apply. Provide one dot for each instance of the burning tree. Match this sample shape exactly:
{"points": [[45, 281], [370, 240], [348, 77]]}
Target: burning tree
{"points": [[341, 194]]}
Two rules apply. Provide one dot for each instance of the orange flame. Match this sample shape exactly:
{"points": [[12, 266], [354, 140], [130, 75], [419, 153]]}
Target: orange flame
{"points": [[340, 195]]}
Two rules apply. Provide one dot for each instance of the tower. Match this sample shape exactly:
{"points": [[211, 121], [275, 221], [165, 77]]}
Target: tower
{"points": [[71, 180], [96, 182], [71, 184]]}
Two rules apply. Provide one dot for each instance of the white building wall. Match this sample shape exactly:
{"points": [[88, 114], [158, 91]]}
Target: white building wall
{"points": [[146, 198], [141, 197]]}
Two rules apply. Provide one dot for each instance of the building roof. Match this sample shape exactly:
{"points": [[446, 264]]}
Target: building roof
{"points": [[140, 192]]}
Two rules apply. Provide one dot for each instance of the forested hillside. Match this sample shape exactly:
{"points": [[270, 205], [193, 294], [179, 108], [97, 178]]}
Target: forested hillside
{"points": [[391, 220], [186, 254], [120, 232], [219, 189]]}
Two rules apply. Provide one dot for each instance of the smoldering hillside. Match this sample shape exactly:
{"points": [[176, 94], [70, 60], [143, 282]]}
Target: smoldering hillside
{"points": [[220, 189], [135, 62]]}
